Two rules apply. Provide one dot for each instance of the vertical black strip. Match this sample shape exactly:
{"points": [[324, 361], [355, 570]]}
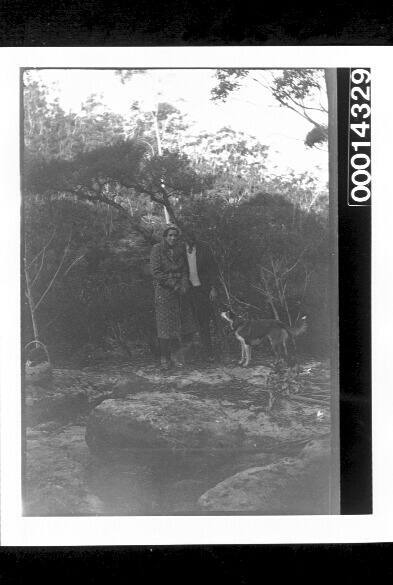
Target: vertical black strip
{"points": [[354, 227]]}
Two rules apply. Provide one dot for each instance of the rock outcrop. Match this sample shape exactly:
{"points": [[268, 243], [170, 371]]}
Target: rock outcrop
{"points": [[179, 421], [293, 485], [159, 420]]}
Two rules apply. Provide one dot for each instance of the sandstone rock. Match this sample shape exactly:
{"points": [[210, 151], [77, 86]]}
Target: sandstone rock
{"points": [[163, 420], [130, 384], [316, 449], [179, 421], [209, 377], [289, 486]]}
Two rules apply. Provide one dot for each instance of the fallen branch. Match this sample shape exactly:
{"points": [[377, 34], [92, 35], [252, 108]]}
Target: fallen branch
{"points": [[308, 400]]}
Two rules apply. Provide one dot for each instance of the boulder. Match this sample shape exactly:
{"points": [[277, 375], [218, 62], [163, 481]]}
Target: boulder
{"points": [[293, 485]]}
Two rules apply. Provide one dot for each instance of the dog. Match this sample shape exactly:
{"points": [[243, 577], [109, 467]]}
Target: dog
{"points": [[251, 332]]}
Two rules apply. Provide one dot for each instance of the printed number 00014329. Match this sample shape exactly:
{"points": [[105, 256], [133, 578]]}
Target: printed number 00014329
{"points": [[360, 150]]}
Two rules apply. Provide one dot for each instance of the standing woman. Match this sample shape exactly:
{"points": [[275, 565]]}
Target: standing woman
{"points": [[175, 322]]}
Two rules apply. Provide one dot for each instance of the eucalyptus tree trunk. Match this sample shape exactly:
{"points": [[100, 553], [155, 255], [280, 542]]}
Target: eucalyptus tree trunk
{"points": [[159, 151]]}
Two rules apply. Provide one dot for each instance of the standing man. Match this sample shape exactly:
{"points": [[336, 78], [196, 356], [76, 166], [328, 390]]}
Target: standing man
{"points": [[203, 275]]}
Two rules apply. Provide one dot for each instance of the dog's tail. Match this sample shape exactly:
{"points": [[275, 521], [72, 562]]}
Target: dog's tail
{"points": [[299, 329]]}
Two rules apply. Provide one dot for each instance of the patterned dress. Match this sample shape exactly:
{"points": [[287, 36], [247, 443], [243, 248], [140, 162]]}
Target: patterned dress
{"points": [[174, 313]]}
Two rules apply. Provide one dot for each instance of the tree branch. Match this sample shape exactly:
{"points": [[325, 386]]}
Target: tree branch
{"points": [[306, 283], [225, 287], [73, 263], [246, 304], [147, 235], [302, 114], [296, 263], [40, 268], [85, 194], [301, 104], [66, 249], [43, 249], [30, 301], [266, 269]]}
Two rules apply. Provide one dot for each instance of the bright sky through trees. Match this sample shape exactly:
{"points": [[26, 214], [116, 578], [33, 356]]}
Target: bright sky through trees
{"points": [[252, 109]]}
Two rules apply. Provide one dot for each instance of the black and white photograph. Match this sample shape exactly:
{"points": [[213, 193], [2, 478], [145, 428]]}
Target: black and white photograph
{"points": [[178, 318], [186, 297]]}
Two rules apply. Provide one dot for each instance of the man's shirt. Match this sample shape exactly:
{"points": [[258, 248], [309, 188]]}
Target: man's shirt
{"points": [[192, 263]]}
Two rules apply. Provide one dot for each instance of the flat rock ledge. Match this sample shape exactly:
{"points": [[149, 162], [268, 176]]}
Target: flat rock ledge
{"points": [[183, 422]]}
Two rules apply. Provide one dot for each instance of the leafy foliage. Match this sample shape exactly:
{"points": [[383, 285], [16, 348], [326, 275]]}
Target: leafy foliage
{"points": [[94, 189], [299, 82], [50, 133], [301, 90], [317, 135], [228, 81]]}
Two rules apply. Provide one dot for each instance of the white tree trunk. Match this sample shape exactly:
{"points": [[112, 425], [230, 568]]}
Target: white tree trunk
{"points": [[159, 151]]}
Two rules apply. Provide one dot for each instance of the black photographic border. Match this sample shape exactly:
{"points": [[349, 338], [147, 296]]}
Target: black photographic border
{"points": [[354, 278]]}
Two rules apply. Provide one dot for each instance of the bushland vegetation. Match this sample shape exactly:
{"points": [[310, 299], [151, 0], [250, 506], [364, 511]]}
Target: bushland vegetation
{"points": [[98, 188]]}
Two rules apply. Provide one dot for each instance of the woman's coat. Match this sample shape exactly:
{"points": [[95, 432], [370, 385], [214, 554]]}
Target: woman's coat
{"points": [[169, 269]]}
